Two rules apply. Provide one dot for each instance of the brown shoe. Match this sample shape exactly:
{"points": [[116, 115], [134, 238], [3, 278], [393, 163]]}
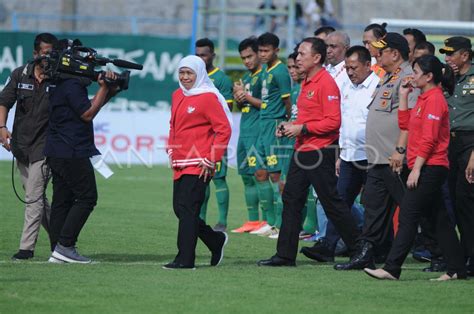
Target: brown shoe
{"points": [[445, 277], [379, 274]]}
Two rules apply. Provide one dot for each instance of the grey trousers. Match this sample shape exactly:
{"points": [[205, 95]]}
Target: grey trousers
{"points": [[34, 177]]}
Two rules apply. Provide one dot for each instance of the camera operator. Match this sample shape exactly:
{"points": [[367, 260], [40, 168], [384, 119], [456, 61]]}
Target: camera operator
{"points": [[28, 88], [69, 146]]}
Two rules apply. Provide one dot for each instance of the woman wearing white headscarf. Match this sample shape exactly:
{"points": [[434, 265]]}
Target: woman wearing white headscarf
{"points": [[200, 129]]}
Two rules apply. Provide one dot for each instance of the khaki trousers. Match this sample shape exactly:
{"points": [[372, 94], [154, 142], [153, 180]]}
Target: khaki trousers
{"points": [[35, 177]]}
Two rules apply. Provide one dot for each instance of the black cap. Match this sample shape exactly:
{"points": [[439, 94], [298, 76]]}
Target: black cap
{"points": [[453, 44], [392, 40]]}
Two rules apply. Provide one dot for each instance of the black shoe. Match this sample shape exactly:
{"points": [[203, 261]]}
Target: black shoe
{"points": [[363, 259], [380, 259], [23, 255], [276, 261], [176, 265], [320, 252], [218, 254], [470, 266], [422, 255], [437, 266]]}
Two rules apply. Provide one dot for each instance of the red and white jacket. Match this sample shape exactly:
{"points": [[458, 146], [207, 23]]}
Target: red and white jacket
{"points": [[199, 132]]}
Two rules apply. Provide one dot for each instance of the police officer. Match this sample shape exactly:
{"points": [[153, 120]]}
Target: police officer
{"points": [[385, 148], [458, 51], [28, 88]]}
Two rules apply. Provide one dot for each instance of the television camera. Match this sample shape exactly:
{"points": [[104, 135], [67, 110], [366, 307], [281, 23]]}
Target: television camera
{"points": [[70, 57]]}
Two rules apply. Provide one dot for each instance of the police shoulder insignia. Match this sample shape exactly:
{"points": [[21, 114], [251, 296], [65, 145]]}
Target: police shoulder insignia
{"points": [[394, 78]]}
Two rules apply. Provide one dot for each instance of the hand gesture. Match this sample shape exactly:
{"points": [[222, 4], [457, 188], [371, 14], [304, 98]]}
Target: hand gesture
{"points": [[470, 169], [412, 181], [5, 137]]}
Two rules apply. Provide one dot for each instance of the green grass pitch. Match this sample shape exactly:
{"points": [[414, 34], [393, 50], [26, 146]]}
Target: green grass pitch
{"points": [[132, 233]]}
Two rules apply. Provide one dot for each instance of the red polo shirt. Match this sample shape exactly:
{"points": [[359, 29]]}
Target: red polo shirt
{"points": [[428, 129], [319, 107]]}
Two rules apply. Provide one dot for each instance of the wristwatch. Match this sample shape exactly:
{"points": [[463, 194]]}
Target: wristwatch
{"points": [[401, 150]]}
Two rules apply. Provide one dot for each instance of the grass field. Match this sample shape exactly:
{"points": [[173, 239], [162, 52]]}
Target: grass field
{"points": [[132, 232]]}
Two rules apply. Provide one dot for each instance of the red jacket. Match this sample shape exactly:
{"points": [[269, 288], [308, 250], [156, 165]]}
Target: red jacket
{"points": [[319, 107], [199, 132], [428, 129]]}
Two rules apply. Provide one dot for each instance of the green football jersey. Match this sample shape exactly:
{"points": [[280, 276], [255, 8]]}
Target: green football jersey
{"points": [[223, 83], [276, 84], [295, 92], [249, 121]]}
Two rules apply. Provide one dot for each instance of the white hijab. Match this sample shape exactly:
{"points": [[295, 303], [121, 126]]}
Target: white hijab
{"points": [[203, 83]]}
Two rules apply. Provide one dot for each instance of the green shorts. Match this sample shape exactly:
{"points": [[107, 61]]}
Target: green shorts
{"points": [[221, 168], [269, 147], [247, 155]]}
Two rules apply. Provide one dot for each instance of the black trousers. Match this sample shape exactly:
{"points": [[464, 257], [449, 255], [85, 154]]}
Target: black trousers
{"points": [[318, 169], [74, 198], [383, 190], [351, 179], [426, 200], [462, 193], [188, 195]]}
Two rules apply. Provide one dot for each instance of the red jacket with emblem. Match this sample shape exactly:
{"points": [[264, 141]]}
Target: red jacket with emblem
{"points": [[199, 132], [428, 129], [319, 107]]}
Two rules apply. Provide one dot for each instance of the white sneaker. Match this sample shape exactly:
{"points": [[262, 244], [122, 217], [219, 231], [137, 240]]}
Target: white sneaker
{"points": [[261, 230], [275, 233], [54, 260], [269, 232]]}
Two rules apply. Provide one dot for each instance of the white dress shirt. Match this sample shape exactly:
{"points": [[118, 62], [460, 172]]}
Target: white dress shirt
{"points": [[354, 102], [339, 74]]}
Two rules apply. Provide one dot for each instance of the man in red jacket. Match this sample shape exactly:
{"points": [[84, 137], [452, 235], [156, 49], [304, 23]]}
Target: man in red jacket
{"points": [[200, 129], [316, 130]]}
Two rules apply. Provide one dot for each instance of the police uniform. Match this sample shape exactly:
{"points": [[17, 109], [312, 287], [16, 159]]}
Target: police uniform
{"points": [[382, 133], [461, 115], [27, 144], [383, 187]]}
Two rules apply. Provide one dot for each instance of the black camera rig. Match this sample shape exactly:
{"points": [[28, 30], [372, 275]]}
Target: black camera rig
{"points": [[70, 57]]}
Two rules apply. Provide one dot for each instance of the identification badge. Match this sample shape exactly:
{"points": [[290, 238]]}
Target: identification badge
{"points": [[25, 86]]}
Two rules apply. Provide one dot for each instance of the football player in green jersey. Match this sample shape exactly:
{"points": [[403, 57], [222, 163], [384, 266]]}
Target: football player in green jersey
{"points": [[275, 108], [205, 50], [247, 94]]}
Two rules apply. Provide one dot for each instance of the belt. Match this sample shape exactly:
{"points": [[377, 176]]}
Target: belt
{"points": [[461, 133]]}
